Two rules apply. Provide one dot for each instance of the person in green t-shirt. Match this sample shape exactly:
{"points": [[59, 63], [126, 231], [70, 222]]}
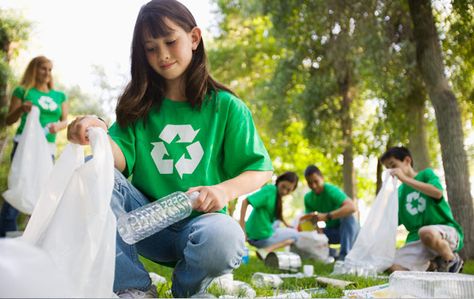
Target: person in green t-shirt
{"points": [[433, 234], [267, 208], [177, 129], [36, 88], [326, 202]]}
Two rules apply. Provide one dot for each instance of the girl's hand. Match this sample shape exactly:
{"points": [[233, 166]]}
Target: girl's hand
{"points": [[211, 198], [54, 128], [77, 130]]}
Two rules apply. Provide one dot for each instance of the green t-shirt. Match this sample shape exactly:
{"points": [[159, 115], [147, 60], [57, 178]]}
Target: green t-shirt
{"points": [[330, 199], [179, 147], [417, 209], [49, 104], [259, 225]]}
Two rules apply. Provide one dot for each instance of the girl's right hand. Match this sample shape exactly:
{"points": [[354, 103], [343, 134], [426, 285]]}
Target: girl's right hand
{"points": [[77, 130]]}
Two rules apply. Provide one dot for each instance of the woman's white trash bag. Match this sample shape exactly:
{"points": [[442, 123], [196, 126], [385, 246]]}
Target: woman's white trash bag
{"points": [[31, 166]]}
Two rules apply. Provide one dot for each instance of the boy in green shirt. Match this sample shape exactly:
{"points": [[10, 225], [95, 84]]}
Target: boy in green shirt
{"points": [[433, 234], [326, 202]]}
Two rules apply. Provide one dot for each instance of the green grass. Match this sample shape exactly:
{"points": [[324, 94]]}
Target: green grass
{"points": [[245, 271]]}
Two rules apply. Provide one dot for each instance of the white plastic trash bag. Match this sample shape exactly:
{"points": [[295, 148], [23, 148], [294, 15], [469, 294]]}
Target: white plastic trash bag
{"points": [[28, 272], [74, 222], [31, 166], [376, 243], [311, 244]]}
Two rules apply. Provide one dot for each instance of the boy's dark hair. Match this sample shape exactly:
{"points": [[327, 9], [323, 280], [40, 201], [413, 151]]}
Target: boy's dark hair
{"points": [[397, 152], [312, 169], [146, 89]]}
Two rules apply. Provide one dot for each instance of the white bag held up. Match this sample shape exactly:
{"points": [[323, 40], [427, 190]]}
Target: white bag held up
{"points": [[74, 223], [376, 243], [31, 166]]}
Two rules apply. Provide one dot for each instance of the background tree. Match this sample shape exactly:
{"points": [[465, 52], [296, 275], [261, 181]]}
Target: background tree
{"points": [[448, 116]]}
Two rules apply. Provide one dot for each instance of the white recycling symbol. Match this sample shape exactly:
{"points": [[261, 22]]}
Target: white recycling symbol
{"points": [[47, 103], [183, 166], [415, 208]]}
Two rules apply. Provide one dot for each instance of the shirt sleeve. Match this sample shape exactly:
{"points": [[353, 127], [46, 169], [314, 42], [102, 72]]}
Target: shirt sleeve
{"points": [[338, 196], [243, 148], [19, 92], [259, 199], [125, 140]]}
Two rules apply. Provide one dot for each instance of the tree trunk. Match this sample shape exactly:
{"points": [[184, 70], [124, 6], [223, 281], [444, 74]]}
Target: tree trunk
{"points": [[417, 137], [448, 118], [346, 125]]}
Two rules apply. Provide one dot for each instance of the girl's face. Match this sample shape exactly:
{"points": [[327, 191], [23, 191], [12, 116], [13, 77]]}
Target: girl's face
{"points": [[285, 188], [315, 182], [43, 73], [170, 56]]}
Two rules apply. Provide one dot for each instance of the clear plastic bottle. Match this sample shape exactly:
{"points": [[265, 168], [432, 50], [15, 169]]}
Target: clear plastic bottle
{"points": [[149, 219]]}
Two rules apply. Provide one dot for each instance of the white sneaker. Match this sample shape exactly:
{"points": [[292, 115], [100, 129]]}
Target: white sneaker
{"points": [[135, 293]]}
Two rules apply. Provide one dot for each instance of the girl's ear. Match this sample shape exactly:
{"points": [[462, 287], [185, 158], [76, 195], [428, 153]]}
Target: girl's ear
{"points": [[195, 37]]}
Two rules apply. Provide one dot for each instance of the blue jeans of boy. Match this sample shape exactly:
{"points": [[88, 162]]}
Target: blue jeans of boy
{"points": [[345, 234], [202, 248]]}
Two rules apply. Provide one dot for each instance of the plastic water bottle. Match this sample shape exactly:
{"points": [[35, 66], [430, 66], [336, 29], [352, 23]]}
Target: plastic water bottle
{"points": [[149, 219], [245, 257]]}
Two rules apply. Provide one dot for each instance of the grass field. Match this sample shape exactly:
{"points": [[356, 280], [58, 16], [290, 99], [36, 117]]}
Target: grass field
{"points": [[245, 272]]}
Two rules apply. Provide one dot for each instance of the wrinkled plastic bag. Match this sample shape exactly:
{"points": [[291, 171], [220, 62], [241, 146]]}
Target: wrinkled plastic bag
{"points": [[375, 245], [311, 244], [28, 272], [74, 223], [31, 166]]}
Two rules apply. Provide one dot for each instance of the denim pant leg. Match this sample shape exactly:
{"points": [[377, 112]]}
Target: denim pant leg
{"points": [[204, 247], [349, 229], [129, 271], [8, 217], [281, 234]]}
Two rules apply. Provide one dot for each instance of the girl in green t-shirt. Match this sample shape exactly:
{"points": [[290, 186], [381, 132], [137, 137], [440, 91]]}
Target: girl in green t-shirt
{"points": [[36, 88], [267, 208], [178, 129]]}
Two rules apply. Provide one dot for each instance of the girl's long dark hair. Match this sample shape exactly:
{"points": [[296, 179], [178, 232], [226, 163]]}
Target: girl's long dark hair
{"points": [[288, 176], [146, 88]]}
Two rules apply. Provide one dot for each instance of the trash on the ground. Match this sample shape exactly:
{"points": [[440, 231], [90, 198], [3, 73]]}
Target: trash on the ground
{"points": [[229, 286], [379, 291], [359, 269], [283, 260], [431, 284], [311, 245], [290, 275], [338, 283], [308, 270], [262, 280], [156, 279], [293, 295]]}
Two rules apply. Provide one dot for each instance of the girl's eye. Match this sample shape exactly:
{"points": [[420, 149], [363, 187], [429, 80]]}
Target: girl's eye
{"points": [[150, 50], [170, 42]]}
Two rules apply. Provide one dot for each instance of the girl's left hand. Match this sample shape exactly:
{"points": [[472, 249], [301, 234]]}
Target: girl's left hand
{"points": [[211, 198], [54, 128]]}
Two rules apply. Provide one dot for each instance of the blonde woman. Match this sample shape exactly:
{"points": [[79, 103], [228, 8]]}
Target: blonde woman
{"points": [[35, 88]]}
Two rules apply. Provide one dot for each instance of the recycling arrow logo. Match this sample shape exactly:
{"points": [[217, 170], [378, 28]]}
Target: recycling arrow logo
{"points": [[415, 203], [183, 166], [47, 103]]}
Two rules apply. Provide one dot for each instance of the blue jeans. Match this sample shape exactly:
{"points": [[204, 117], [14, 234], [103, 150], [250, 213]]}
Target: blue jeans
{"points": [[345, 234], [202, 248], [281, 234], [8, 214]]}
